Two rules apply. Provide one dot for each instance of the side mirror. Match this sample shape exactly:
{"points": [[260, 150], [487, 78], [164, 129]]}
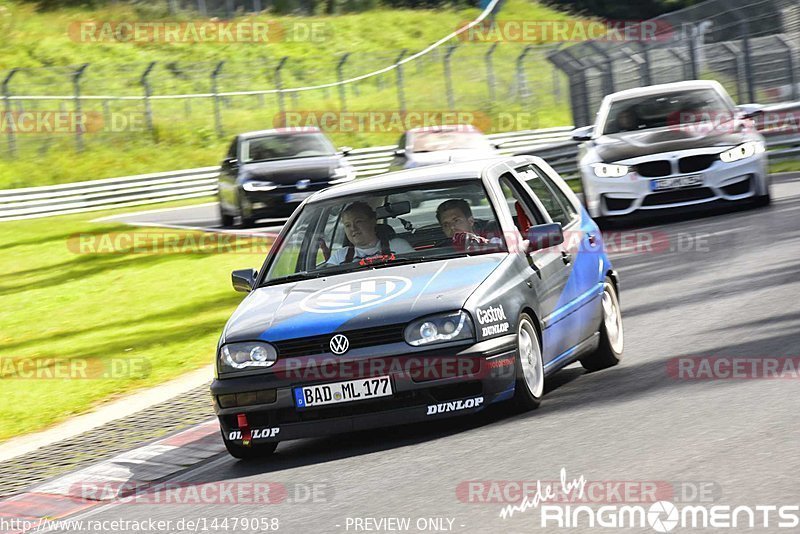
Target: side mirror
{"points": [[244, 279], [583, 134], [345, 150], [750, 111], [230, 162], [400, 152], [544, 236]]}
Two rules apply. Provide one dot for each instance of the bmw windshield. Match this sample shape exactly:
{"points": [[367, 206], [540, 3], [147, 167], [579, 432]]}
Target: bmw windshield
{"points": [[387, 227]]}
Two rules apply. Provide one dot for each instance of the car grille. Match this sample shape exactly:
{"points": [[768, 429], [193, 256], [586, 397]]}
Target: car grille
{"points": [[654, 169], [696, 163], [739, 188], [365, 337], [674, 197]]}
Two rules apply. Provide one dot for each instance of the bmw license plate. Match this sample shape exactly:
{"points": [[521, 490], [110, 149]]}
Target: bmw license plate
{"points": [[297, 197], [352, 390], [677, 182]]}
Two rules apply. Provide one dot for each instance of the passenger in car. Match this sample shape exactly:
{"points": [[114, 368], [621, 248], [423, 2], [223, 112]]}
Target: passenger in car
{"points": [[462, 230], [365, 237]]}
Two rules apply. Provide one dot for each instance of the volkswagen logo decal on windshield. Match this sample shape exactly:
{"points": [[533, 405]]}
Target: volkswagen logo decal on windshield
{"points": [[356, 295], [339, 344]]}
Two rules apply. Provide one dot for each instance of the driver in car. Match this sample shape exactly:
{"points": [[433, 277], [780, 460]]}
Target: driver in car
{"points": [[461, 228], [366, 238]]}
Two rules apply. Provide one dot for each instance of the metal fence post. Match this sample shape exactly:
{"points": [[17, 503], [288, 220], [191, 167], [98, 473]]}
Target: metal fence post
{"points": [[448, 79], [795, 91], [215, 92], [148, 111], [737, 58], [279, 85], [257, 6], [76, 83], [748, 59], [608, 71], [173, 6], [12, 141], [340, 77], [229, 8], [201, 7], [522, 79], [693, 67], [401, 97], [490, 72], [645, 69]]}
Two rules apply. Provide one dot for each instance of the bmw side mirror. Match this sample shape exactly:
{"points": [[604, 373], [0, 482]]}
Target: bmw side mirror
{"points": [[345, 150], [750, 111], [544, 236], [244, 280], [583, 134]]}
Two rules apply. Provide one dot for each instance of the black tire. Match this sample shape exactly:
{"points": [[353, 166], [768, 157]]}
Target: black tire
{"points": [[762, 201], [608, 353], [245, 221], [524, 399], [225, 220], [254, 452]]}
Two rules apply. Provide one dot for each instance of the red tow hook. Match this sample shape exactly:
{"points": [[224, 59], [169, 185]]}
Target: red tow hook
{"points": [[244, 428]]}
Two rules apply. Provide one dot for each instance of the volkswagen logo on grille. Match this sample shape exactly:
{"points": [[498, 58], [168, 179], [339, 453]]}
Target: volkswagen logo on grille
{"points": [[339, 344]]}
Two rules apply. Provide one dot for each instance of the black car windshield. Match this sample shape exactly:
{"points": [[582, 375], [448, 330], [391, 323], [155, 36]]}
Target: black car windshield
{"points": [[387, 227], [432, 141], [671, 109], [285, 146]]}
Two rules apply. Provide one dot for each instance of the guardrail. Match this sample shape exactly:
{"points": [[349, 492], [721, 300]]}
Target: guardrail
{"points": [[554, 145]]}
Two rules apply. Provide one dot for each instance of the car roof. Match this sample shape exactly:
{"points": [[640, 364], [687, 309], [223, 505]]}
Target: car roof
{"points": [[290, 130], [663, 88], [467, 170]]}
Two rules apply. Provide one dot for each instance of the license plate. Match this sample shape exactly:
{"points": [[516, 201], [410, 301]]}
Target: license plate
{"points": [[677, 182], [297, 197], [352, 390]]}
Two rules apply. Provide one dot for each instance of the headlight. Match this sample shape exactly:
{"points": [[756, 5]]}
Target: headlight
{"points": [[342, 175], [259, 186], [439, 329], [605, 170], [743, 151], [236, 356]]}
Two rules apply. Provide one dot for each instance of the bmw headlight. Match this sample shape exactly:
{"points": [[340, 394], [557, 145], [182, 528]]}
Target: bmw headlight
{"points": [[256, 185], [606, 170], [440, 328], [743, 151], [342, 175], [236, 356]]}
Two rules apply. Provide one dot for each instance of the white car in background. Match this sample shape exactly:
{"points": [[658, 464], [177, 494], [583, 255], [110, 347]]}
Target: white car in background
{"points": [[671, 146]]}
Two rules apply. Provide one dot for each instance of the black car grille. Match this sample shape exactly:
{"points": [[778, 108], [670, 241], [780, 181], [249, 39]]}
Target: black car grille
{"points": [[617, 204], [654, 169], [365, 337], [681, 195], [696, 163], [739, 188]]}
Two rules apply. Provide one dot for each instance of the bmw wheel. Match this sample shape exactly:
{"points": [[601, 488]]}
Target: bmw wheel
{"points": [[612, 338], [530, 366], [225, 219]]}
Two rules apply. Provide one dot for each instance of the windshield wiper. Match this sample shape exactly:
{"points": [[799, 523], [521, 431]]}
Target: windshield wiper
{"points": [[303, 275]]}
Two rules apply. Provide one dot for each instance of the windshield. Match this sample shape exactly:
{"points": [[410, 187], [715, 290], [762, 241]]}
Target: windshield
{"points": [[448, 140], [659, 111], [283, 146], [387, 227]]}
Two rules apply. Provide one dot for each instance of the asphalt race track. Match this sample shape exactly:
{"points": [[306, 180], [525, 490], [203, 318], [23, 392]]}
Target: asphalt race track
{"points": [[727, 285]]}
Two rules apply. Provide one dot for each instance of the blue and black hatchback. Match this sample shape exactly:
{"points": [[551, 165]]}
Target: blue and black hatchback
{"points": [[370, 312]]}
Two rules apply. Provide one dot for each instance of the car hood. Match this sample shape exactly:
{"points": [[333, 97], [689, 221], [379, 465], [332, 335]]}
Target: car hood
{"points": [[627, 145], [289, 171], [416, 159], [363, 299]]}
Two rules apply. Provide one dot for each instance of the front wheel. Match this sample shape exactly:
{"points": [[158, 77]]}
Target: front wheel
{"points": [[225, 219], [254, 452], [612, 339], [530, 366]]}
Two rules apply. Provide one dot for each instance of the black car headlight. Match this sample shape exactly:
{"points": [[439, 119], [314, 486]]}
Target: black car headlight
{"points": [[440, 328], [237, 356]]}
